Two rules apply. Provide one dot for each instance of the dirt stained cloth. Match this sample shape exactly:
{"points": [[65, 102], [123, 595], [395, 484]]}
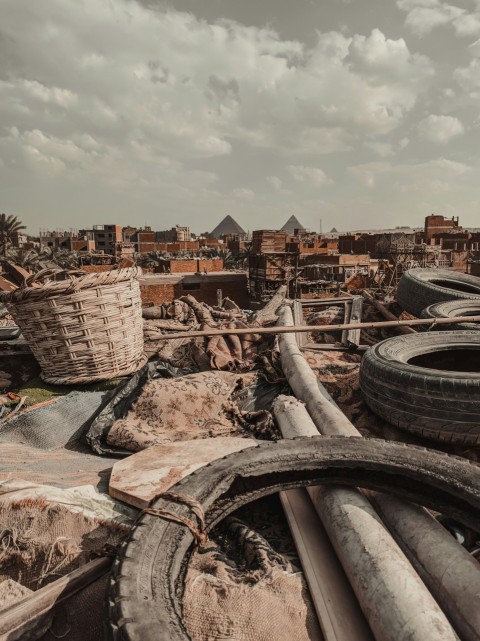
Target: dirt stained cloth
{"points": [[189, 407], [259, 599]]}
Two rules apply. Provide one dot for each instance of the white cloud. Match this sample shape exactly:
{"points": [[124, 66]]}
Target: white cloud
{"points": [[366, 174], [469, 77], [392, 58], [193, 89], [212, 146], [166, 107], [243, 193], [468, 24], [382, 149], [440, 129], [423, 16], [60, 97], [450, 166], [439, 175], [312, 175], [275, 182], [408, 5]]}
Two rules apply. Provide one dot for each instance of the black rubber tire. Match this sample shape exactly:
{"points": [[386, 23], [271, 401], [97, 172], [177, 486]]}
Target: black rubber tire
{"points": [[433, 403], [146, 585], [418, 288], [451, 309]]}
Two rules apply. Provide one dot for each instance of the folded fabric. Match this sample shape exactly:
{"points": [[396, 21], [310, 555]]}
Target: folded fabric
{"points": [[189, 407]]}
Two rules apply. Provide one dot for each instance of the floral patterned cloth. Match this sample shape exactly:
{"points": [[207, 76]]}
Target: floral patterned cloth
{"points": [[189, 407]]}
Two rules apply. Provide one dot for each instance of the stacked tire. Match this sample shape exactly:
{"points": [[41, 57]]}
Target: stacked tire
{"points": [[451, 309], [420, 288], [427, 384]]}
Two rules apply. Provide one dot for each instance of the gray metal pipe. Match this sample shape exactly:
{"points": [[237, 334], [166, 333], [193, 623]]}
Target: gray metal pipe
{"points": [[449, 571], [458, 597], [387, 587], [336, 605]]}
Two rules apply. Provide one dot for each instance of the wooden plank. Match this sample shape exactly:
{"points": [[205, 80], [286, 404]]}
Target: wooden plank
{"points": [[346, 320], [353, 335], [320, 347], [16, 273], [291, 329], [19, 622], [299, 320], [6, 285], [320, 302], [15, 347], [385, 312], [139, 478]]}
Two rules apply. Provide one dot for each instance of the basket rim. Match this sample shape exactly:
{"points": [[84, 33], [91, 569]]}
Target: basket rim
{"points": [[70, 286]]}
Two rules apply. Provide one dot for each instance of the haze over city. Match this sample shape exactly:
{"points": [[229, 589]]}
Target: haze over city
{"points": [[362, 113]]}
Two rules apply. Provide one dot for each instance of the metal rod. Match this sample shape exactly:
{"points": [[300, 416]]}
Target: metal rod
{"points": [[322, 328]]}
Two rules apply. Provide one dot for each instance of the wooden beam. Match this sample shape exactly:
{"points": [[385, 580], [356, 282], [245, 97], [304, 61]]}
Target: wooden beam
{"points": [[17, 623], [322, 328], [385, 312], [353, 335]]}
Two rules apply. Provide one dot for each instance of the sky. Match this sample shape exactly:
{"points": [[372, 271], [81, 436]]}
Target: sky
{"points": [[353, 114]]}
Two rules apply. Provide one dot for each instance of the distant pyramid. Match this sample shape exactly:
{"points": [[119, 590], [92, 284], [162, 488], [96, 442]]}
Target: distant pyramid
{"points": [[292, 224], [333, 231], [227, 226]]}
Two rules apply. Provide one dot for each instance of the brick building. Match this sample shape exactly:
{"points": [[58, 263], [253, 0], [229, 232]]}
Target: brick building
{"points": [[189, 265], [70, 240], [163, 288], [106, 238], [437, 224]]}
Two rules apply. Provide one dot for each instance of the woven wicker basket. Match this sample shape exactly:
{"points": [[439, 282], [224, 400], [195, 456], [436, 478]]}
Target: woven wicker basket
{"points": [[84, 328]]}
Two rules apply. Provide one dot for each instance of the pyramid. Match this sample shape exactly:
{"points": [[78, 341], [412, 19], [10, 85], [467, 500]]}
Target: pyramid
{"points": [[292, 224], [227, 226], [333, 231]]}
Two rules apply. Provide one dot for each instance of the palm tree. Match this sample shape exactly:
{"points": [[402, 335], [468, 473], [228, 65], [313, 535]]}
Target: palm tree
{"points": [[152, 259], [29, 259], [241, 259], [224, 254], [9, 225], [58, 257]]}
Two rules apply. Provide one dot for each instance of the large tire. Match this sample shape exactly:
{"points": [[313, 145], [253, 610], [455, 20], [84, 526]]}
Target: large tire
{"points": [[419, 288], [427, 384], [451, 309], [146, 588]]}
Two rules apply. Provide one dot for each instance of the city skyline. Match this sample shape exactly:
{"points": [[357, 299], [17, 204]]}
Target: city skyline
{"points": [[362, 114]]}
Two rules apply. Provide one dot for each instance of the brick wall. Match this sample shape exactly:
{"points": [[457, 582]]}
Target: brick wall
{"points": [[203, 289], [210, 264], [196, 265], [93, 269], [183, 266], [157, 294]]}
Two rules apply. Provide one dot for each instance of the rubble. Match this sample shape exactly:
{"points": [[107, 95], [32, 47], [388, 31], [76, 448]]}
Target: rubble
{"points": [[197, 402]]}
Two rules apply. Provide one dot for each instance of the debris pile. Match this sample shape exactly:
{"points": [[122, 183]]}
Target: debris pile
{"points": [[231, 352], [195, 406], [201, 407]]}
